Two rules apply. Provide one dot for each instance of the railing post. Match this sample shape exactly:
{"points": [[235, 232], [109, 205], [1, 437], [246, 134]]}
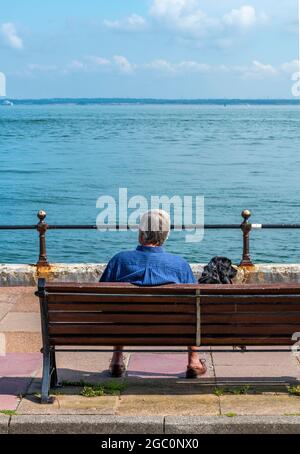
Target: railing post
{"points": [[42, 227], [246, 228]]}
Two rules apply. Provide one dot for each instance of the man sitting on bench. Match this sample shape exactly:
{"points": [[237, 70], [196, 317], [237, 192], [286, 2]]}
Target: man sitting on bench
{"points": [[150, 265]]}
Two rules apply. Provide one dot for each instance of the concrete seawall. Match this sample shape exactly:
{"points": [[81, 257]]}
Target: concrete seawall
{"points": [[27, 275]]}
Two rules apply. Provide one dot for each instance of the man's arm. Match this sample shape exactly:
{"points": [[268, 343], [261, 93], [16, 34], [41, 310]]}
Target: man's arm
{"points": [[108, 273], [189, 277]]}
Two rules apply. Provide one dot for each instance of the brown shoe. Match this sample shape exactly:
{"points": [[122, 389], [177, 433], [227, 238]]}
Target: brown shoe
{"points": [[196, 372], [117, 370]]}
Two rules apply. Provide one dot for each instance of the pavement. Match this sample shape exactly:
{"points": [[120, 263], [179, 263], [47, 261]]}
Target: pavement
{"points": [[241, 392]]}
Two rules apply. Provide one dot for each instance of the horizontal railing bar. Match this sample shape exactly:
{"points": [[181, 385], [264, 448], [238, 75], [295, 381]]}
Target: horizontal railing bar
{"points": [[129, 227], [235, 350], [17, 227]]}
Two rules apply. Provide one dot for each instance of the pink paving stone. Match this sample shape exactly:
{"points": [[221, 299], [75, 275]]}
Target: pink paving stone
{"points": [[158, 365], [8, 402], [14, 385], [19, 364]]}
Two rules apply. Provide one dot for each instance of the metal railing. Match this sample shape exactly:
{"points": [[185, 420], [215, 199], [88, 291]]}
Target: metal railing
{"points": [[246, 227]]}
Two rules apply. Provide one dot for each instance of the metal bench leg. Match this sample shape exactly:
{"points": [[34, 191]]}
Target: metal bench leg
{"points": [[45, 399], [53, 370]]}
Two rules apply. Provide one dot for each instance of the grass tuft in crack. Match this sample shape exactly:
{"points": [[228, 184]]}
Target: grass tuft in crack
{"points": [[8, 412], [110, 388], [294, 390]]}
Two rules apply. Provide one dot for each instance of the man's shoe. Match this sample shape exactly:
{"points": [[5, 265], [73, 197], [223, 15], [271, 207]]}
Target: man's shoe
{"points": [[196, 372]]}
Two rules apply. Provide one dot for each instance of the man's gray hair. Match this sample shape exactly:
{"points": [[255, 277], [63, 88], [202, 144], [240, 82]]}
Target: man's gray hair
{"points": [[154, 227]]}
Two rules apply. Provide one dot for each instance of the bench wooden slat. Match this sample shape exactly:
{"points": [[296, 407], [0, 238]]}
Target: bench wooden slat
{"points": [[250, 299], [229, 309], [107, 298], [249, 308], [167, 341], [120, 318], [257, 317], [118, 288], [86, 307], [170, 341], [177, 330], [253, 329], [287, 330], [124, 288]]}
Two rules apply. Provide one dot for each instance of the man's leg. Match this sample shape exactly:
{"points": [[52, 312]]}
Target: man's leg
{"points": [[117, 366], [196, 366]]}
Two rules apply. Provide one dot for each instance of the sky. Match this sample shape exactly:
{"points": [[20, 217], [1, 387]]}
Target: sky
{"points": [[149, 48]]}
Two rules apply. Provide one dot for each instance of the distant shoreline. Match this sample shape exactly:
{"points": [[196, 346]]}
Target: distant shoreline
{"points": [[154, 101]]}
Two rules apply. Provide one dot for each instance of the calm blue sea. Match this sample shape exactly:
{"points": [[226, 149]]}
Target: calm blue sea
{"points": [[61, 155]]}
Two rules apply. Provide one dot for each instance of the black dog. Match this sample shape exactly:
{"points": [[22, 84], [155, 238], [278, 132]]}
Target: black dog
{"points": [[218, 271]]}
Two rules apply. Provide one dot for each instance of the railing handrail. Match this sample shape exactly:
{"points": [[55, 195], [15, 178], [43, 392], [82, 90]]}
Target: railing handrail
{"points": [[135, 226], [245, 226]]}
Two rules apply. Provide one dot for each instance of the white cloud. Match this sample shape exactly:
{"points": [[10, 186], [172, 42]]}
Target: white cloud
{"points": [[123, 64], [186, 18], [257, 70], [98, 61], [181, 67], [88, 63], [245, 17], [119, 63], [130, 23], [10, 36]]}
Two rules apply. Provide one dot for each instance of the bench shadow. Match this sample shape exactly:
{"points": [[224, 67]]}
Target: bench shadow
{"points": [[72, 382]]}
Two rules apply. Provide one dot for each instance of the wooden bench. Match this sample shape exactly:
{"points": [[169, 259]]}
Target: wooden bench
{"points": [[108, 314]]}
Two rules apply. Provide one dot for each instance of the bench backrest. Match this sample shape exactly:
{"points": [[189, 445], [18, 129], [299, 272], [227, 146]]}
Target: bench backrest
{"points": [[170, 315]]}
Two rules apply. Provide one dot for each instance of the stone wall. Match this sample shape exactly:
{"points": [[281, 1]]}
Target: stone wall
{"points": [[27, 275]]}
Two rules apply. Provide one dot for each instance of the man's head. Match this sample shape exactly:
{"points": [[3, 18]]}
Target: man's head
{"points": [[154, 228]]}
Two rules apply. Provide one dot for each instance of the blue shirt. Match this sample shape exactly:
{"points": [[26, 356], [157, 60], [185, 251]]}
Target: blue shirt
{"points": [[148, 265]]}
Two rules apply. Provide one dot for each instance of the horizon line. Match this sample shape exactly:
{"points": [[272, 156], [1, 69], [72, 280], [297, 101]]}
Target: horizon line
{"points": [[152, 98]]}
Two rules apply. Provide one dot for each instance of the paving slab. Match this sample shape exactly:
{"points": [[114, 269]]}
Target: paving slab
{"points": [[21, 322], [69, 404], [163, 365], [31, 405], [4, 309], [90, 367], [14, 386], [168, 405], [19, 364], [23, 342], [105, 405], [253, 359], [10, 294], [260, 404], [238, 425], [9, 402], [287, 373], [85, 424]]}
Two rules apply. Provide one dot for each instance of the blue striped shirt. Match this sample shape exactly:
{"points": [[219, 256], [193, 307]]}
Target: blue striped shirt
{"points": [[148, 265]]}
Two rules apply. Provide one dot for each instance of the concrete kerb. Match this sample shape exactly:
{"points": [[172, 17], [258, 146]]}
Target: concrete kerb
{"points": [[4, 422], [84, 424], [232, 425]]}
